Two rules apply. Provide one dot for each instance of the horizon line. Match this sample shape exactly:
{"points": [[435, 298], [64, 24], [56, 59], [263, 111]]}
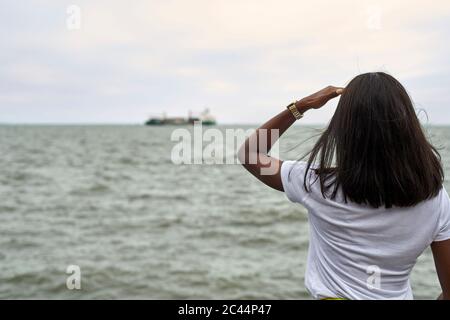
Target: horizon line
{"points": [[143, 124]]}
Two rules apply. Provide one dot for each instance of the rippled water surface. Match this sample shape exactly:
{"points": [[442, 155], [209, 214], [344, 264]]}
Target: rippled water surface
{"points": [[109, 199]]}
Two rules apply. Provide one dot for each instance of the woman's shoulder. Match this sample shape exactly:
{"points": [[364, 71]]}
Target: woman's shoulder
{"points": [[293, 174]]}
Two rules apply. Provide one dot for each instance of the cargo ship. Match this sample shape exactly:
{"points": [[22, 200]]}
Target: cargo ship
{"points": [[205, 118]]}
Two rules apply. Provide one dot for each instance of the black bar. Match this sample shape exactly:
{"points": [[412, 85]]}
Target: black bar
{"points": [[225, 309]]}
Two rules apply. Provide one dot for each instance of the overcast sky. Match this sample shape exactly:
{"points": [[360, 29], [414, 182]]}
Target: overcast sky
{"points": [[245, 60]]}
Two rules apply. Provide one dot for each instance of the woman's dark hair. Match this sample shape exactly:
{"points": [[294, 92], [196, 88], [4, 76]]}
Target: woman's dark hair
{"points": [[374, 147]]}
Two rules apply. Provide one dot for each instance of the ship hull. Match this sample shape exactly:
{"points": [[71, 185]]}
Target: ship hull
{"points": [[154, 122]]}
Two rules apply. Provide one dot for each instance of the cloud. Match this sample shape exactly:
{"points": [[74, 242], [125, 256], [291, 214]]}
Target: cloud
{"points": [[234, 56], [30, 73]]}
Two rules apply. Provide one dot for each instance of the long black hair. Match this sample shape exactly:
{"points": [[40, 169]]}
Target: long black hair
{"points": [[374, 147]]}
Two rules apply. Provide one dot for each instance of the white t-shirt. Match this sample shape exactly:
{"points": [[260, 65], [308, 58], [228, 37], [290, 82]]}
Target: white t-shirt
{"points": [[357, 251]]}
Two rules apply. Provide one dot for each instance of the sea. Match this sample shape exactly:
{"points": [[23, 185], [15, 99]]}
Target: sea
{"points": [[104, 212]]}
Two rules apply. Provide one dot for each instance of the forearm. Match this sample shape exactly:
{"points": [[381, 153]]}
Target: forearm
{"points": [[254, 153], [270, 132], [441, 255]]}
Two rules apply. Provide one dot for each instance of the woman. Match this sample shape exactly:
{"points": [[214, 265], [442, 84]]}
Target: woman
{"points": [[372, 186]]}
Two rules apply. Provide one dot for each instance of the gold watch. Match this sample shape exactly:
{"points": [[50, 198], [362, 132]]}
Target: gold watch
{"points": [[293, 108]]}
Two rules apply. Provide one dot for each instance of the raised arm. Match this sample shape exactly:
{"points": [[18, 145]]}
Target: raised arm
{"points": [[441, 254], [254, 153]]}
